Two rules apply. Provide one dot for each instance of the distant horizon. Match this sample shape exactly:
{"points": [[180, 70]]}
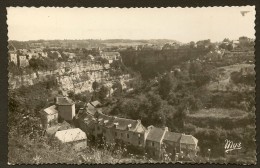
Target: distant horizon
{"points": [[180, 24], [124, 39]]}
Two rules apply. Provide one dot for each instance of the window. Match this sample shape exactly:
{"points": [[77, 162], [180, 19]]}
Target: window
{"points": [[115, 133], [127, 135], [139, 135], [121, 134], [139, 142], [152, 143]]}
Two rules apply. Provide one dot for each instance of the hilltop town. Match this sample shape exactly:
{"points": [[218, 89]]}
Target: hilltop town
{"points": [[155, 99]]}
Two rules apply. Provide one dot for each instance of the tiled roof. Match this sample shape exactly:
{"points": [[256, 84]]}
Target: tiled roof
{"points": [[155, 134], [91, 109], [188, 139], [95, 103], [64, 101], [172, 136], [105, 120], [51, 110], [70, 135], [125, 124]]}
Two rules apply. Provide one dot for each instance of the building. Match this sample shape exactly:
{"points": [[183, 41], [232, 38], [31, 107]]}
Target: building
{"points": [[66, 108], [171, 143], [86, 122], [188, 145], [74, 136], [154, 141], [12, 54], [49, 116], [110, 56], [23, 62], [119, 130], [92, 107], [57, 127]]}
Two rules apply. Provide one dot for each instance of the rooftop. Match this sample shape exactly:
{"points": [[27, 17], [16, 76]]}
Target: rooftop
{"points": [[155, 134], [172, 136], [51, 110], [95, 103], [124, 124], [64, 101], [70, 135], [188, 139]]}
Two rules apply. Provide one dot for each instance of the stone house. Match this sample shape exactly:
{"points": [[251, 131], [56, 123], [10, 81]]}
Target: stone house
{"points": [[49, 116], [188, 145], [92, 107], [119, 130], [13, 57], [66, 108], [12, 54], [171, 143], [154, 141], [23, 62], [76, 137], [86, 121]]}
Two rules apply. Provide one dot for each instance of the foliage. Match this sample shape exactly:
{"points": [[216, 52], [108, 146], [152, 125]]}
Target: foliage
{"points": [[42, 64], [165, 85], [95, 85], [103, 92]]}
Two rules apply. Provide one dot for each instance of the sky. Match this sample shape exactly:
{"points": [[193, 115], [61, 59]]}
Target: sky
{"points": [[181, 24]]}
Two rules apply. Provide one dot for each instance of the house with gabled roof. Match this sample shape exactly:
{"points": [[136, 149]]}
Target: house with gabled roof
{"points": [[49, 116], [12, 53], [86, 121], [75, 136], [128, 131], [171, 143], [188, 145], [119, 130], [154, 140], [66, 108]]}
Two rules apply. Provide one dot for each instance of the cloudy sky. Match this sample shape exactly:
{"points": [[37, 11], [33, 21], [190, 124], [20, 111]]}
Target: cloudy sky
{"points": [[182, 24]]}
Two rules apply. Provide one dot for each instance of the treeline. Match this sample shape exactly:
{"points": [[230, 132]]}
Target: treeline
{"points": [[151, 62]]}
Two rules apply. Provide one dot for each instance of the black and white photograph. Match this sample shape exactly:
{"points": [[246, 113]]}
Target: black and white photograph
{"points": [[131, 85]]}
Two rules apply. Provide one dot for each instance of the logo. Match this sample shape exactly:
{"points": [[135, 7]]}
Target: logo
{"points": [[230, 146]]}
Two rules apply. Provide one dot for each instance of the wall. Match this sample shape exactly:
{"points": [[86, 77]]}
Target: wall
{"points": [[67, 112]]}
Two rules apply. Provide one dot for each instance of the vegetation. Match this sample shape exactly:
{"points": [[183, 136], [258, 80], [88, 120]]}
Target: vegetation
{"points": [[182, 93]]}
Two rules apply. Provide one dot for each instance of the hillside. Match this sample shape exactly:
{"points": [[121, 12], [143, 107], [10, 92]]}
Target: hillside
{"points": [[223, 80]]}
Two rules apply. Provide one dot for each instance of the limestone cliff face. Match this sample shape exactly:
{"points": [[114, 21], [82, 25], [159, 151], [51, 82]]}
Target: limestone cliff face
{"points": [[72, 76]]}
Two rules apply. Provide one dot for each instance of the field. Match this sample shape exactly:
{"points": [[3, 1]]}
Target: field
{"points": [[219, 113], [223, 80]]}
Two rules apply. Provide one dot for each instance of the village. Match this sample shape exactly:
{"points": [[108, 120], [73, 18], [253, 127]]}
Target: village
{"points": [[83, 123], [90, 124]]}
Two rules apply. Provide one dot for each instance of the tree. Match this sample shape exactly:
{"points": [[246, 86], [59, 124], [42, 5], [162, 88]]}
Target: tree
{"points": [[165, 85], [192, 44], [118, 88], [102, 94], [95, 85]]}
